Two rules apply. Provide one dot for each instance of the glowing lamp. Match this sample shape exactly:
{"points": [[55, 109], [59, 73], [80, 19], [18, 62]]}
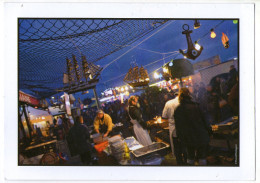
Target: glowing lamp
{"points": [[165, 69], [212, 34], [122, 89], [197, 46], [196, 24], [126, 88], [156, 75]]}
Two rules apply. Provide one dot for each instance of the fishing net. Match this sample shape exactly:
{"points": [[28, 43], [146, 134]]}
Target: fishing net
{"points": [[44, 45]]}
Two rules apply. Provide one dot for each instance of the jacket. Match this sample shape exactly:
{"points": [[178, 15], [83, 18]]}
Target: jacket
{"points": [[79, 139], [191, 127], [106, 120]]}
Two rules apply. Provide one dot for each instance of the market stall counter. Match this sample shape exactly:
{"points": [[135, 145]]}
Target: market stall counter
{"points": [[119, 151]]}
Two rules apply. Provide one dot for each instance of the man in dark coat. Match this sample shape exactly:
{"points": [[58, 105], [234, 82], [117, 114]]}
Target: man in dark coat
{"points": [[191, 128], [79, 141]]}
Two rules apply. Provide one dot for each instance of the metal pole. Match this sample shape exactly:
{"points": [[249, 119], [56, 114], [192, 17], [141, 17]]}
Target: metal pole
{"points": [[181, 83], [27, 122], [96, 96]]}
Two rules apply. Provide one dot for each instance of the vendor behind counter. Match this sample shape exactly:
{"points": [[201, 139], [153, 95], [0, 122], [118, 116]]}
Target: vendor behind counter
{"points": [[103, 123]]}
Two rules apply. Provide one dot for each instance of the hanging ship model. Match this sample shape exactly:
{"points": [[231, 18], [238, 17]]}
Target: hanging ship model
{"points": [[137, 77], [80, 79]]}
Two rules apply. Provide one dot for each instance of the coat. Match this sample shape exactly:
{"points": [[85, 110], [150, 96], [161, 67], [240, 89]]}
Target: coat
{"points": [[79, 139], [191, 128]]}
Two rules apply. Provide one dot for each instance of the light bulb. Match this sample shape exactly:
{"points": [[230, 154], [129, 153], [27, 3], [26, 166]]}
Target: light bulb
{"points": [[185, 57], [122, 89], [156, 75], [212, 34], [197, 46], [165, 69], [126, 88]]}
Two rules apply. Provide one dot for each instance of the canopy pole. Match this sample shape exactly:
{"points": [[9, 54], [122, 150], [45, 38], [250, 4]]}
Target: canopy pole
{"points": [[96, 96], [27, 122]]}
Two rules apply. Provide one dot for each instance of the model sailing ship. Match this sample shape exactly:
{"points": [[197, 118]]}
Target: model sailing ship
{"points": [[137, 77], [80, 79]]}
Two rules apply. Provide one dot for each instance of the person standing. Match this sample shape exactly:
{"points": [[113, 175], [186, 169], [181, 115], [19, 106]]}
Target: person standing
{"points": [[137, 120], [176, 145], [103, 123], [79, 140], [191, 128]]}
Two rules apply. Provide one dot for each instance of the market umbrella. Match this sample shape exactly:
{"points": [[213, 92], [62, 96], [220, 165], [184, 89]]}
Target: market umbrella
{"points": [[180, 68]]}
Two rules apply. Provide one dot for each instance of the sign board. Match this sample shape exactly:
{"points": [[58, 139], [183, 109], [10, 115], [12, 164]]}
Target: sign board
{"points": [[23, 97], [206, 63]]}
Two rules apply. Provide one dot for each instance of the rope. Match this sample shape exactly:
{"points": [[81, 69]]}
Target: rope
{"points": [[137, 45]]}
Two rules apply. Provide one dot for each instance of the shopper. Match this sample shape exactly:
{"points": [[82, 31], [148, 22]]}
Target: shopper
{"points": [[103, 123], [191, 128], [79, 141], [178, 149], [137, 120]]}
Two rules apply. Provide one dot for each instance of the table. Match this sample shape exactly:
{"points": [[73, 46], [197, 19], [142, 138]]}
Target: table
{"points": [[42, 148]]}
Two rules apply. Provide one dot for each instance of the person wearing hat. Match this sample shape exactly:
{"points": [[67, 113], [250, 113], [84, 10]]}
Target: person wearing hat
{"points": [[103, 123]]}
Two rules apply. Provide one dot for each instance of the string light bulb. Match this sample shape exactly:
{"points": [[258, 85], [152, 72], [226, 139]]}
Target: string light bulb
{"points": [[165, 69], [197, 46], [156, 75], [196, 24], [212, 34]]}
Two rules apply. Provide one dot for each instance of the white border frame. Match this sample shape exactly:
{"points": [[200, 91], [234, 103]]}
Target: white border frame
{"points": [[245, 12]]}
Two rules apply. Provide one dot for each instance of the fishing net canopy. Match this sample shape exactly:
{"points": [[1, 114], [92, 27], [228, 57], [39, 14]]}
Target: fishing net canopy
{"points": [[44, 45]]}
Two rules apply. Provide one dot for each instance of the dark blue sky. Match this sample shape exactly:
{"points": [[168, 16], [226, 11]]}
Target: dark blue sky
{"points": [[168, 40]]}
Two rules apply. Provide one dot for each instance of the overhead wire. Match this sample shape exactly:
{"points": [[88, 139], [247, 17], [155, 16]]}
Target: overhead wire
{"points": [[137, 45]]}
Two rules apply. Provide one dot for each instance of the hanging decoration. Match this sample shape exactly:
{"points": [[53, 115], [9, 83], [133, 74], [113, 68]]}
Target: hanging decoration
{"points": [[196, 24], [137, 77], [212, 33], [225, 40], [80, 79], [192, 52]]}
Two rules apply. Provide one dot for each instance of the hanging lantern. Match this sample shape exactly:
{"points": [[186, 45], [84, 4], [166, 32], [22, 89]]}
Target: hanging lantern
{"points": [[212, 34], [196, 24], [225, 40], [192, 53]]}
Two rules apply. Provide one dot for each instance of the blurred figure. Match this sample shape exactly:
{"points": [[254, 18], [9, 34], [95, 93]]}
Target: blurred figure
{"points": [[191, 128], [201, 91], [79, 141], [233, 99], [232, 77], [210, 106]]}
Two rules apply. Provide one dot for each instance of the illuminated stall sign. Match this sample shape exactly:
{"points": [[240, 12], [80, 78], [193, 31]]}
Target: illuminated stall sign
{"points": [[23, 97]]}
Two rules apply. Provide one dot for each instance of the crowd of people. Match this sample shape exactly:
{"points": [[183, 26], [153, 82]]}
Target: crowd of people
{"points": [[190, 112]]}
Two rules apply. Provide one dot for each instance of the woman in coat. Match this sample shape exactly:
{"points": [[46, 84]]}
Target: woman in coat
{"points": [[191, 128]]}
